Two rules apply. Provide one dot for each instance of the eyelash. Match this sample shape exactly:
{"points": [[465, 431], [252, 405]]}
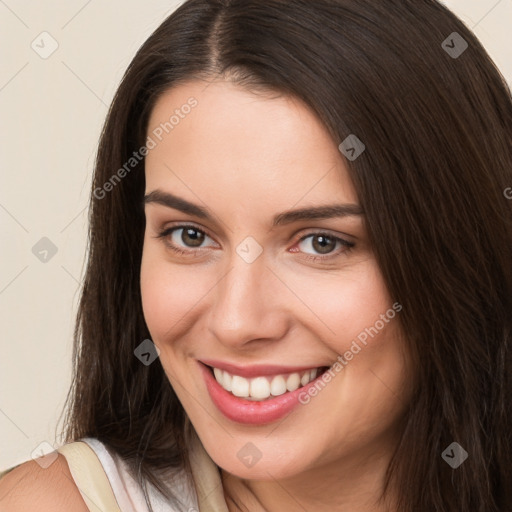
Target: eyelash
{"points": [[347, 246]]}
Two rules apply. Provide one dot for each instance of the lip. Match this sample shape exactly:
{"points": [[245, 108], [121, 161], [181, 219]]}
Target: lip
{"points": [[250, 412], [256, 370]]}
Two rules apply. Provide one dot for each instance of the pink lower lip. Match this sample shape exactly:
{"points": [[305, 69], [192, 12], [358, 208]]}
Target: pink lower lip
{"points": [[249, 412]]}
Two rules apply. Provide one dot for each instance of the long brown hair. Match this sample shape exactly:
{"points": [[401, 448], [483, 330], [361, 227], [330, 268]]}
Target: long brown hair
{"points": [[437, 127]]}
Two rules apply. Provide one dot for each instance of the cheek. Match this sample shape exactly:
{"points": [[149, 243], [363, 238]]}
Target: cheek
{"points": [[347, 304], [169, 294]]}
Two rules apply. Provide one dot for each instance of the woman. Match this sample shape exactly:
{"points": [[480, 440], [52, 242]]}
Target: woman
{"points": [[299, 287]]}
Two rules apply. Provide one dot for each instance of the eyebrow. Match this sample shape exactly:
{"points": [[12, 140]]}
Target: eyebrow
{"points": [[314, 213]]}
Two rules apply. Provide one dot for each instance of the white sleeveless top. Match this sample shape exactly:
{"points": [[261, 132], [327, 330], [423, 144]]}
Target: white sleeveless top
{"points": [[105, 484], [111, 487]]}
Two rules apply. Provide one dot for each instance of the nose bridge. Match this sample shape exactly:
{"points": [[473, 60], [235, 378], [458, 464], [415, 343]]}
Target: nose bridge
{"points": [[244, 307]]}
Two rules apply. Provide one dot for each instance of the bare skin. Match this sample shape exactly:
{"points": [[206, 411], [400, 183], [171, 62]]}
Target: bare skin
{"points": [[30, 487]]}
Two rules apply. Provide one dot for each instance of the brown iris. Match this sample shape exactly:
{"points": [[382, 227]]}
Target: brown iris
{"points": [[326, 244], [192, 237]]}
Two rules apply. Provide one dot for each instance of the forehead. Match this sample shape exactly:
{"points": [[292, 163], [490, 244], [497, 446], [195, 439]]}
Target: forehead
{"points": [[220, 142]]}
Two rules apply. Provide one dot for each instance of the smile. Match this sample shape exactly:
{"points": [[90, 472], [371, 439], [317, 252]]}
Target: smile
{"points": [[265, 386], [262, 394]]}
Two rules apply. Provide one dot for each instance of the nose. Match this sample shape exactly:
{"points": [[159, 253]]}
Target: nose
{"points": [[248, 305]]}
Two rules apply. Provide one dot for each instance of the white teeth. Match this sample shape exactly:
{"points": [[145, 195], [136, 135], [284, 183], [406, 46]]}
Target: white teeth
{"points": [[240, 386], [226, 381], [218, 374], [278, 386], [260, 388], [293, 382]]}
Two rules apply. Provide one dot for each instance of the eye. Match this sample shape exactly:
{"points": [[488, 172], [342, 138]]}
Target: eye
{"points": [[189, 240], [184, 239], [323, 246]]}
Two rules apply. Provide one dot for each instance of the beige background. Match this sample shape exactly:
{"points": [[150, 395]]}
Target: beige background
{"points": [[52, 111]]}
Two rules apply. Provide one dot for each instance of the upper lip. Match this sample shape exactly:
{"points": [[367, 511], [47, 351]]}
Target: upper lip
{"points": [[257, 369]]}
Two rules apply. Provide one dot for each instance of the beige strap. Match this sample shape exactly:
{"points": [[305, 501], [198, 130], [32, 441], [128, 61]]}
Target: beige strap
{"points": [[210, 493], [90, 477]]}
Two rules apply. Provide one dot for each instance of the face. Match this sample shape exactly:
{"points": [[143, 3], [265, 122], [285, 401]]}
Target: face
{"points": [[245, 271]]}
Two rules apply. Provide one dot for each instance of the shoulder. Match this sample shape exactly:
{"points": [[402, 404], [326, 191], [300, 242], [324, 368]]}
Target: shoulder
{"points": [[29, 487]]}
